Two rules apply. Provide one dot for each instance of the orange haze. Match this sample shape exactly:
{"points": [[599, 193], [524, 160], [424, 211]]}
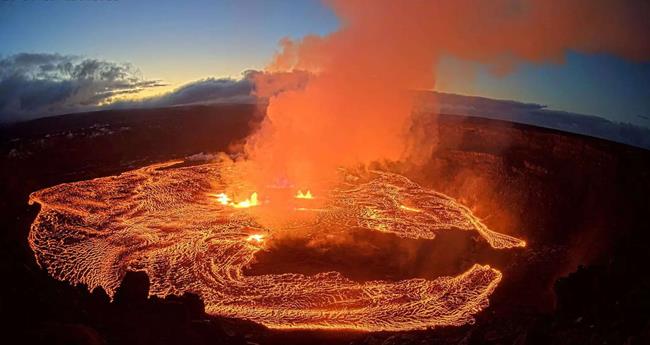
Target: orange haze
{"points": [[355, 106]]}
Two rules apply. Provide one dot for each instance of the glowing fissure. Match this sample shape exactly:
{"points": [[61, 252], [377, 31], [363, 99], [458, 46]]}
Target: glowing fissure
{"points": [[224, 199], [306, 195], [160, 221], [255, 238]]}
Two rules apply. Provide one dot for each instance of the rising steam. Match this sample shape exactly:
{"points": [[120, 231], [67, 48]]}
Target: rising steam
{"points": [[355, 106]]}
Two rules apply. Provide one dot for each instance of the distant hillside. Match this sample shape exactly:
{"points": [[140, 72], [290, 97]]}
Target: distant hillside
{"points": [[436, 102], [534, 114]]}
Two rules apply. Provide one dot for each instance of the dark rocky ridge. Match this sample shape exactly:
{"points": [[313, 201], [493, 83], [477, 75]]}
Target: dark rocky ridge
{"points": [[580, 202]]}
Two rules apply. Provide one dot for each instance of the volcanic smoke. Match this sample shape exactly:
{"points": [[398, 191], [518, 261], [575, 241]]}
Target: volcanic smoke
{"points": [[356, 108]]}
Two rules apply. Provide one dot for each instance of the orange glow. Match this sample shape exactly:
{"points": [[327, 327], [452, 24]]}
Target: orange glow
{"points": [[255, 238], [306, 195], [146, 220], [309, 209], [250, 202], [355, 106], [411, 209], [223, 199]]}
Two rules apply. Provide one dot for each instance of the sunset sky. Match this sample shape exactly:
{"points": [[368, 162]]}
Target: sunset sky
{"points": [[179, 42]]}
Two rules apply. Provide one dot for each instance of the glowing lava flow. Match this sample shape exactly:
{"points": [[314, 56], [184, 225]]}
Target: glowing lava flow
{"points": [[301, 195], [158, 219], [223, 199]]}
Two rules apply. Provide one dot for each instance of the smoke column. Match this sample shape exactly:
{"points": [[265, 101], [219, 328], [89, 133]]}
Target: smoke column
{"points": [[356, 106]]}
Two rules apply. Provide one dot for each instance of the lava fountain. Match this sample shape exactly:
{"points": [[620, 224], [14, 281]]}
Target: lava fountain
{"points": [[178, 225]]}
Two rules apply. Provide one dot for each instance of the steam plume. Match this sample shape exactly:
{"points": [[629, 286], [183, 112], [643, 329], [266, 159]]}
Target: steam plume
{"points": [[356, 107]]}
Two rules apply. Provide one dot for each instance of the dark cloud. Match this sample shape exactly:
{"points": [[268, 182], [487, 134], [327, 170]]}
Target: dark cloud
{"points": [[35, 85], [38, 85], [253, 86], [209, 90]]}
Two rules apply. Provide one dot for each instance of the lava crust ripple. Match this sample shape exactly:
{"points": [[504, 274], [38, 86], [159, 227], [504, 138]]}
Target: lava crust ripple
{"points": [[157, 219]]}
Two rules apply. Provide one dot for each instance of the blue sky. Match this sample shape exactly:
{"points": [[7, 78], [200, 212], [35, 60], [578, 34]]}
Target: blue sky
{"points": [[182, 41]]}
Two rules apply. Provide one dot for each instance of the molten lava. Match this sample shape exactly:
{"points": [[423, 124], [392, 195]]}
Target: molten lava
{"points": [[223, 199], [301, 195], [255, 238], [407, 208], [158, 219]]}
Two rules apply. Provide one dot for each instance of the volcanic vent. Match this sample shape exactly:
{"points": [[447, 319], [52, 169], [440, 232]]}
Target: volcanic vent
{"points": [[179, 225]]}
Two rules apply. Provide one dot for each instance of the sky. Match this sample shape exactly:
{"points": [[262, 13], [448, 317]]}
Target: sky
{"points": [[178, 42]]}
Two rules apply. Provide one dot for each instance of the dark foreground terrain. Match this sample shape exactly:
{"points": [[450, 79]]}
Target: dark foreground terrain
{"points": [[581, 204]]}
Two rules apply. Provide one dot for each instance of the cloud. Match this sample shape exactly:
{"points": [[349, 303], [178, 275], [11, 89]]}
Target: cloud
{"points": [[253, 86], [533, 114], [39, 85], [203, 91], [35, 85], [356, 108]]}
